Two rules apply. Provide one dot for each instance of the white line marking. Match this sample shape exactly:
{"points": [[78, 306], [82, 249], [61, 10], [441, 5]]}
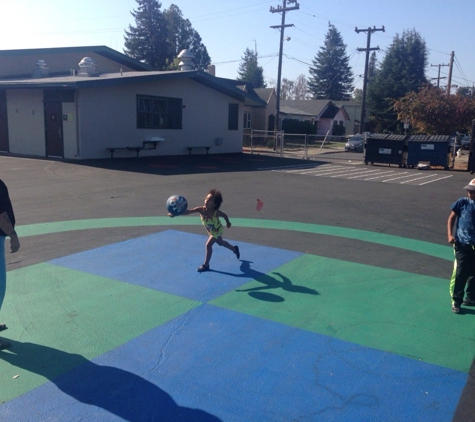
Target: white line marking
{"points": [[378, 177], [365, 173], [431, 181], [395, 178], [344, 171], [418, 178]]}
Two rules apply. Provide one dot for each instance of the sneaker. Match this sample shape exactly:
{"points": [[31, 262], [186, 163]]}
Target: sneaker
{"points": [[236, 252], [202, 268], [469, 302], [455, 309], [4, 344]]}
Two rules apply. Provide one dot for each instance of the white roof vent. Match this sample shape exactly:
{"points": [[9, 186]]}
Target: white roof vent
{"points": [[88, 67], [186, 57], [41, 69]]}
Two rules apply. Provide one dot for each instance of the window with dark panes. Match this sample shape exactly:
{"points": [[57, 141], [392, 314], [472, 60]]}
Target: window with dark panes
{"points": [[247, 121], [233, 117], [159, 112]]}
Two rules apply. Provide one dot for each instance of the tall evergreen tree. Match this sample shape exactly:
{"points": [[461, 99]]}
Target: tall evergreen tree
{"points": [[330, 74], [402, 71], [181, 35], [158, 37], [147, 41], [372, 66], [250, 71]]}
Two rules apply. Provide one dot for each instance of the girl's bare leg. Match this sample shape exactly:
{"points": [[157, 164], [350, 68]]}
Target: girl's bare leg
{"points": [[222, 242], [209, 250]]}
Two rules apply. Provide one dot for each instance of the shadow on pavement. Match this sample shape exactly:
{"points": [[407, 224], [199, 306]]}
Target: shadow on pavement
{"points": [[195, 164], [122, 393]]}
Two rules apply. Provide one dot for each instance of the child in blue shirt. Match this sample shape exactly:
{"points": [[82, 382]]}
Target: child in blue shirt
{"points": [[463, 241]]}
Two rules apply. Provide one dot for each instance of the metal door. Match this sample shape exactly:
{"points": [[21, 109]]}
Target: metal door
{"points": [[4, 145], [54, 128]]}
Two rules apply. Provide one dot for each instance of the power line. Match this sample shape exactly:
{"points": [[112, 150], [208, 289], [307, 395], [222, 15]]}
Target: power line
{"points": [[282, 27], [368, 48], [438, 75]]}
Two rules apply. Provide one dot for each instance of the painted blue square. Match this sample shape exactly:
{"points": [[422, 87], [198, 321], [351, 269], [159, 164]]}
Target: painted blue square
{"points": [[167, 261], [213, 364]]}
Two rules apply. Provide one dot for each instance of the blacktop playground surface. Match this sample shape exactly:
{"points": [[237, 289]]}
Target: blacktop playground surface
{"points": [[337, 310]]}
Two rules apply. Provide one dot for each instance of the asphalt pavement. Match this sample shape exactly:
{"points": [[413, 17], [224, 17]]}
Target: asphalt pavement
{"points": [[338, 308]]}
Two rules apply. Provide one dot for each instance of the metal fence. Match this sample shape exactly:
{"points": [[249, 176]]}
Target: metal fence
{"points": [[290, 144]]}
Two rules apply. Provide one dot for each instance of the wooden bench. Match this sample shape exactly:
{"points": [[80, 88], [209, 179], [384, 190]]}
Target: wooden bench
{"points": [[114, 149], [207, 148], [148, 144]]}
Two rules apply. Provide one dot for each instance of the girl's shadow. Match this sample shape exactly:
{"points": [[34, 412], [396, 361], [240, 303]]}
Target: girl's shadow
{"points": [[269, 283]]}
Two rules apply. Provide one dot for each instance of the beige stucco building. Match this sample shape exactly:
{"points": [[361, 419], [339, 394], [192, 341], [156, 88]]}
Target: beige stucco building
{"points": [[89, 102]]}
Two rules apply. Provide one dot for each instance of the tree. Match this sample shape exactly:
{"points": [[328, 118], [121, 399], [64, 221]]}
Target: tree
{"points": [[357, 95], [287, 89], [147, 41], [294, 90], [158, 37], [250, 71], [181, 35], [465, 91], [300, 88], [372, 66], [431, 111], [402, 71], [331, 76]]}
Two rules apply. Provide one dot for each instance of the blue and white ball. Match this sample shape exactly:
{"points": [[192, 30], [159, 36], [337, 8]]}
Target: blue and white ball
{"points": [[177, 204]]}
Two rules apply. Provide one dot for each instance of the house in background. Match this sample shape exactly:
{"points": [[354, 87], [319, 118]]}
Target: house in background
{"points": [[324, 114], [353, 110], [259, 117], [77, 102]]}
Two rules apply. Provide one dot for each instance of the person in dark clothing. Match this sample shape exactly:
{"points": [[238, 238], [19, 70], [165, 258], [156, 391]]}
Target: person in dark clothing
{"points": [[7, 229]]}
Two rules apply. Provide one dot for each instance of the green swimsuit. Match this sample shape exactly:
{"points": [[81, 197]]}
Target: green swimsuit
{"points": [[212, 225]]}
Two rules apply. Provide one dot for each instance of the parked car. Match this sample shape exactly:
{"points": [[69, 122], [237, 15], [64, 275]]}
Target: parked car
{"points": [[465, 141], [355, 143], [452, 141]]}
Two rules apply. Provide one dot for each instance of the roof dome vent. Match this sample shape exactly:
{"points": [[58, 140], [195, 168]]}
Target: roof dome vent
{"points": [[41, 69], [187, 58], [88, 67]]}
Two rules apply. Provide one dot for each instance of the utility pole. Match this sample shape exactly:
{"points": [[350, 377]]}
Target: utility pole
{"points": [[438, 76], [368, 48], [451, 65], [282, 26]]}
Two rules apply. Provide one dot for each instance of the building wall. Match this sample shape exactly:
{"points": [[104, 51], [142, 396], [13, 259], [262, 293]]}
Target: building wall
{"points": [[271, 109], [260, 115], [259, 118], [108, 118], [354, 113], [323, 126], [26, 122]]}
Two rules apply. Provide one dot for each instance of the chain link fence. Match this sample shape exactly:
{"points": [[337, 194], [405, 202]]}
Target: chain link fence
{"points": [[294, 145]]}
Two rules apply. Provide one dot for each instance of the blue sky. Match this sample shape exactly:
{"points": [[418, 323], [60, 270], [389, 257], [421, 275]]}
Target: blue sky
{"points": [[228, 27]]}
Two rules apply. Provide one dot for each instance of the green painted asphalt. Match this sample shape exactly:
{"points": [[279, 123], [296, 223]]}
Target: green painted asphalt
{"points": [[52, 309], [383, 300], [384, 309], [427, 248]]}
